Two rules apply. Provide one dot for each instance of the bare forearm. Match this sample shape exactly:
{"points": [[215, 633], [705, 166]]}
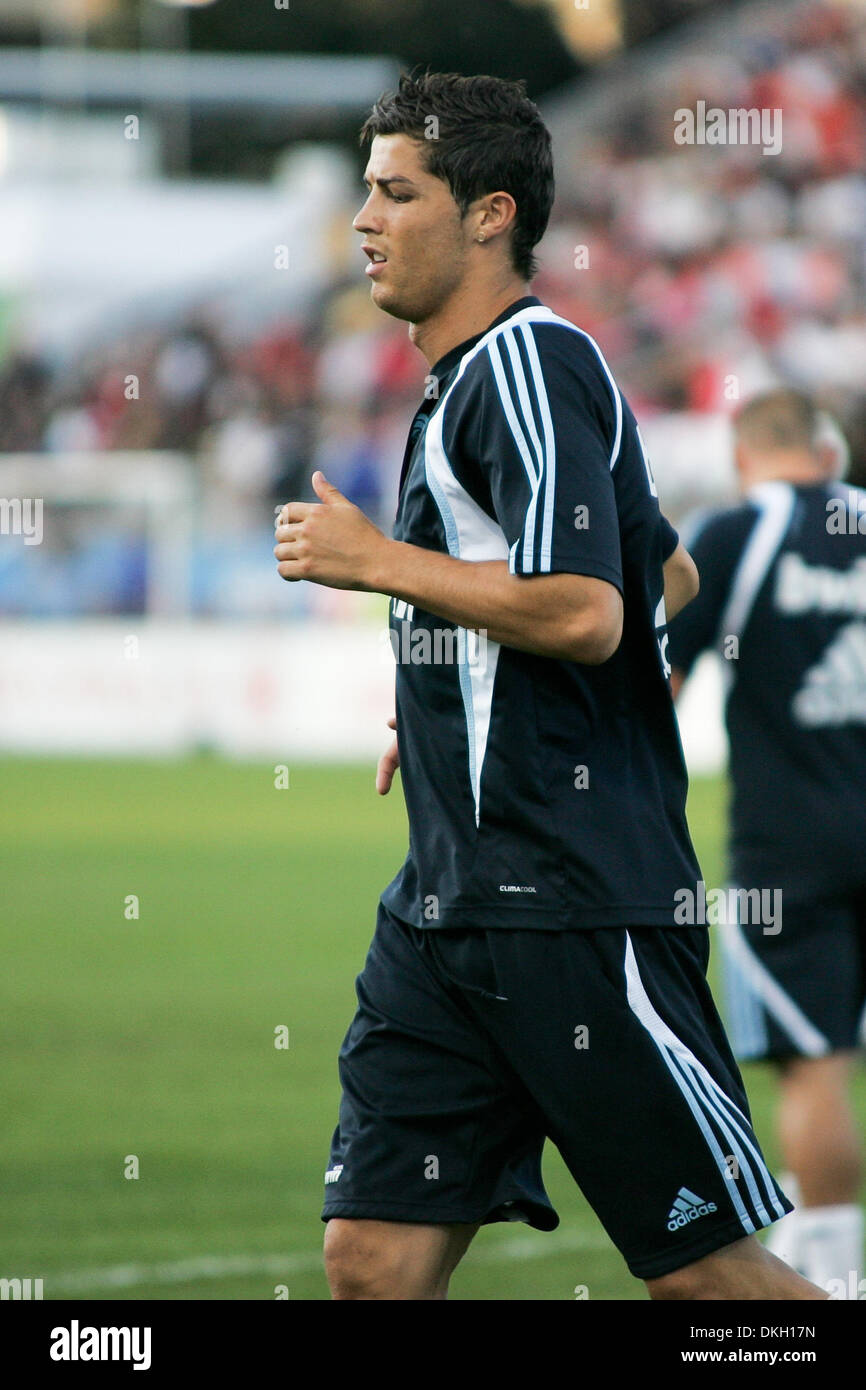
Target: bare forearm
{"points": [[536, 613], [573, 617]]}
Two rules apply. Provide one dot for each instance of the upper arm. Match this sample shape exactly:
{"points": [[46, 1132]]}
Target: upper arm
{"points": [[592, 611]]}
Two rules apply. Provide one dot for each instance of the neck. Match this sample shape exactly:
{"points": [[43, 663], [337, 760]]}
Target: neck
{"points": [[788, 467], [464, 314]]}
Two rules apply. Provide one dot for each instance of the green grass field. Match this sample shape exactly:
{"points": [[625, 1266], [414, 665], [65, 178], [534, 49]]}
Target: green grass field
{"points": [[154, 1037]]}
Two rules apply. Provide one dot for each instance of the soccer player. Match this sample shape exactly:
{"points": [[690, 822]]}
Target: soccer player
{"points": [[526, 978], [783, 598]]}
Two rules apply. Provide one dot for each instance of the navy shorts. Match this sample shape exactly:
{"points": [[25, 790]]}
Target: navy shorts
{"points": [[801, 991], [469, 1048]]}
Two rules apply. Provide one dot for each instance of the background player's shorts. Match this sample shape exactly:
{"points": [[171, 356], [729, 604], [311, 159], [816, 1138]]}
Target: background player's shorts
{"points": [[800, 992], [470, 1047]]}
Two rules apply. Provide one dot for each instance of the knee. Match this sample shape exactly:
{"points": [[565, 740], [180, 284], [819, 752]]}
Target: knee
{"points": [[363, 1264], [353, 1263]]}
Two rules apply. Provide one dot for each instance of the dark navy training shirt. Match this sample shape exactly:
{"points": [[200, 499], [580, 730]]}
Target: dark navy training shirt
{"points": [[783, 601], [540, 793]]}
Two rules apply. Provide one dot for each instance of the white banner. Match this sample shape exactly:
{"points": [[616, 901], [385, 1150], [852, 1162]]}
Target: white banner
{"points": [[301, 691], [132, 687]]}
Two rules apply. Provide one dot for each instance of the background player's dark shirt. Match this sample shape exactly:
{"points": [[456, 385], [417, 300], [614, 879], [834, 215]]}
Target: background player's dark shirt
{"points": [[783, 573], [540, 792]]}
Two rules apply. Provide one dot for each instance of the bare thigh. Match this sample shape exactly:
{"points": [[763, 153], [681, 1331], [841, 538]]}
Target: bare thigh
{"points": [[742, 1270]]}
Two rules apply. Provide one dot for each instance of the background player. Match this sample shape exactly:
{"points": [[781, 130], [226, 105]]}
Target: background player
{"points": [[783, 597], [544, 784]]}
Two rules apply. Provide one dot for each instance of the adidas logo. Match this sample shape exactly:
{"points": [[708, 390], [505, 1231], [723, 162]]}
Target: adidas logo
{"points": [[834, 691], [333, 1174], [687, 1207]]}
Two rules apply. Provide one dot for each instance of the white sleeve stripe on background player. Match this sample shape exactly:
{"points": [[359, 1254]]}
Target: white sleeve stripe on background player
{"points": [[789, 1016], [671, 1047], [545, 557], [514, 424], [776, 501]]}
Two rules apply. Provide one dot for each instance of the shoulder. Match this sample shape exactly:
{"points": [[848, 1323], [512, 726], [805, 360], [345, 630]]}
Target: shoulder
{"points": [[536, 341], [724, 528], [539, 368]]}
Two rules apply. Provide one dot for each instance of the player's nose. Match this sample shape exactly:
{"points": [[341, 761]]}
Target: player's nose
{"points": [[364, 221]]}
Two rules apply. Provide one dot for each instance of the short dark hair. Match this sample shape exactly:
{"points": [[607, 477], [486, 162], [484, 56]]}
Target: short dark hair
{"points": [[783, 418], [488, 136]]}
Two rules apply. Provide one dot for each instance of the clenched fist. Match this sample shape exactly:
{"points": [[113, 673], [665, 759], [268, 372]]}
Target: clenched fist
{"points": [[329, 542]]}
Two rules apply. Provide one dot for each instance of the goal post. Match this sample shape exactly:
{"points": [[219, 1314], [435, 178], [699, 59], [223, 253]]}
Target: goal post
{"points": [[160, 483]]}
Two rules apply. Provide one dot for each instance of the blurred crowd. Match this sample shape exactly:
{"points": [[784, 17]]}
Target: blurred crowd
{"points": [[258, 414], [705, 273], [716, 269]]}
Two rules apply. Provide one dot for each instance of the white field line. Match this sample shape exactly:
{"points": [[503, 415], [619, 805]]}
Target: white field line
{"points": [[198, 1267]]}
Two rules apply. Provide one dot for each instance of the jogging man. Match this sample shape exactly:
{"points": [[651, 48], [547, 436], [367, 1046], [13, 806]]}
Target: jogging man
{"points": [[526, 979], [783, 600]]}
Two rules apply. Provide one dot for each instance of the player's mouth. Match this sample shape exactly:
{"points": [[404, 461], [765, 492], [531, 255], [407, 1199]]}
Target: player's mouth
{"points": [[378, 259]]}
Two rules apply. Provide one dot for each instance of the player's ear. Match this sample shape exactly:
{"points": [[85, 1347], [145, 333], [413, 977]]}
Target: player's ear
{"points": [[828, 461], [495, 215], [741, 460]]}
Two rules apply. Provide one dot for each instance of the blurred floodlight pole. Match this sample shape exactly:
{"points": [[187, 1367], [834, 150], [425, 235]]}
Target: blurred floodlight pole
{"points": [[165, 28]]}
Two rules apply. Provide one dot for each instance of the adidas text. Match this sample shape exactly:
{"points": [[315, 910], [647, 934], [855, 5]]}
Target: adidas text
{"points": [[686, 1208]]}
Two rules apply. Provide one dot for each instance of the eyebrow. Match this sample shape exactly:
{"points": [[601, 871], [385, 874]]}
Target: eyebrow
{"points": [[385, 183]]}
